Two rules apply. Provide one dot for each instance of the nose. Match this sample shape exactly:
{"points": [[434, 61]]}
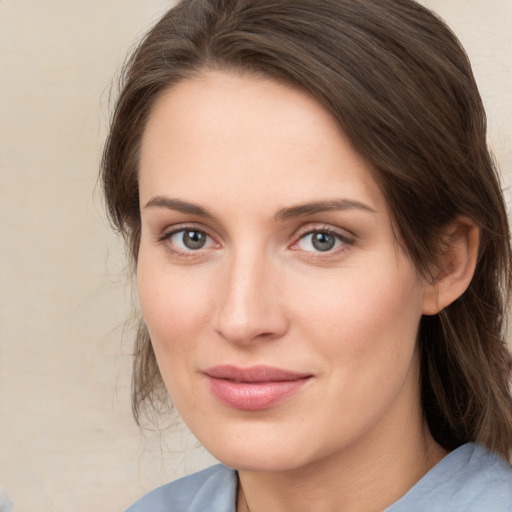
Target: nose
{"points": [[250, 305]]}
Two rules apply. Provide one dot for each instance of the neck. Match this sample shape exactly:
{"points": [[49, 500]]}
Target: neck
{"points": [[343, 483], [369, 475]]}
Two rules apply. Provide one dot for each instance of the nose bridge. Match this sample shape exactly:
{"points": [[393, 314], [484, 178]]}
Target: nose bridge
{"points": [[248, 307]]}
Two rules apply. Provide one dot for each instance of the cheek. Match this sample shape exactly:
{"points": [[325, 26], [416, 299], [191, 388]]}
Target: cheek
{"points": [[366, 317], [174, 303], [366, 328], [176, 311]]}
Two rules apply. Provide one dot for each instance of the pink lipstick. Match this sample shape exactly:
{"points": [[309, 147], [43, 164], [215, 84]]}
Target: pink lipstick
{"points": [[254, 388]]}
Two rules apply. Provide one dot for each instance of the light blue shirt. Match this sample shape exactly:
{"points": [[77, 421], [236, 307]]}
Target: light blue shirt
{"points": [[469, 479]]}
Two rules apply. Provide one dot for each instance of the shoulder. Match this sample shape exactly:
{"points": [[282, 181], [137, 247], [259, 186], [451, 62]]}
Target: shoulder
{"points": [[212, 489], [470, 479]]}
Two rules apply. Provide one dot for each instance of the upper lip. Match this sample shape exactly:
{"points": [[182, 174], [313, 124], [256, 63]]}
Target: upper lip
{"points": [[258, 373]]}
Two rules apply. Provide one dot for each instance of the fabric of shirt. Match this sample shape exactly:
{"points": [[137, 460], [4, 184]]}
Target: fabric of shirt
{"points": [[469, 479]]}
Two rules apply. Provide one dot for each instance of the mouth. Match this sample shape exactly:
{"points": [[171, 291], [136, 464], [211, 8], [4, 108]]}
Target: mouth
{"points": [[254, 388]]}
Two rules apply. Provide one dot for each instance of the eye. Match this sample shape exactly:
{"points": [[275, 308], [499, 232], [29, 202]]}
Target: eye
{"points": [[187, 240], [321, 241]]}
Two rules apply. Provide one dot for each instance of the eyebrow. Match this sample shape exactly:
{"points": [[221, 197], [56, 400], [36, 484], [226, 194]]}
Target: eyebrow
{"points": [[178, 205], [282, 215], [321, 206]]}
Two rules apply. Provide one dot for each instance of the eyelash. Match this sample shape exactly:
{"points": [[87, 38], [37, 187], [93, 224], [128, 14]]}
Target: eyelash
{"points": [[344, 240], [191, 253]]}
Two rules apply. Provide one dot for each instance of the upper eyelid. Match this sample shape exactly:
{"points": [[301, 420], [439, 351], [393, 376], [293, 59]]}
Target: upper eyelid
{"points": [[312, 227], [341, 238], [301, 231], [176, 228], [345, 238], [212, 229], [164, 239]]}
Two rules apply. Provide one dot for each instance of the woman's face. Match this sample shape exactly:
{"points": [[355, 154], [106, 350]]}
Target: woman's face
{"points": [[282, 312]]}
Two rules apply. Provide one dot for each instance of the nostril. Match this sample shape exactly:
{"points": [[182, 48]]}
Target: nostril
{"points": [[248, 307]]}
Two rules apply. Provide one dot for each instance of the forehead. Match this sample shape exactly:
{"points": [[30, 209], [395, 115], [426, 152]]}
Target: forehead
{"points": [[223, 132]]}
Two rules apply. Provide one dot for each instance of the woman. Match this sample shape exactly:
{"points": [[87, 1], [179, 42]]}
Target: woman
{"points": [[322, 256]]}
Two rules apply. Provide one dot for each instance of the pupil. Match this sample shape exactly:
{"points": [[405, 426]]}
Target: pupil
{"points": [[323, 241], [194, 239]]}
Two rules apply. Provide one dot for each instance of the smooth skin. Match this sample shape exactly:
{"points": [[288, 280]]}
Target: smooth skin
{"points": [[265, 241]]}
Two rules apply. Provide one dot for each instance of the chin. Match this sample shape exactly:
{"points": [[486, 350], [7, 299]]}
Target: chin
{"points": [[259, 456], [261, 462]]}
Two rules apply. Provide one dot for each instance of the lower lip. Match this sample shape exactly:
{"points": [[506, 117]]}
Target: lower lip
{"points": [[254, 396]]}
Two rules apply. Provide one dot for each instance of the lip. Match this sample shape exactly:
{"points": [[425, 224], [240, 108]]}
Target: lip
{"points": [[255, 388]]}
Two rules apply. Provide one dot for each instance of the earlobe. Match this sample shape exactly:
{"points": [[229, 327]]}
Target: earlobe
{"points": [[455, 267]]}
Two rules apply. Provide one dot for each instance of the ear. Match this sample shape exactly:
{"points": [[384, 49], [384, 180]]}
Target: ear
{"points": [[456, 265]]}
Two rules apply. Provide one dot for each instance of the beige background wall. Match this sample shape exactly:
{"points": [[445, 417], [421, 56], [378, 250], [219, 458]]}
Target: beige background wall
{"points": [[67, 440]]}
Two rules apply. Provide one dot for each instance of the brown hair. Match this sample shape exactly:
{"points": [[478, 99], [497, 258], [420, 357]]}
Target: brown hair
{"points": [[401, 87]]}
